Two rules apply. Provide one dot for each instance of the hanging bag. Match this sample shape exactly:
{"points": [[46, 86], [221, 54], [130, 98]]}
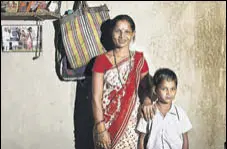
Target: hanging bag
{"points": [[81, 33], [79, 39]]}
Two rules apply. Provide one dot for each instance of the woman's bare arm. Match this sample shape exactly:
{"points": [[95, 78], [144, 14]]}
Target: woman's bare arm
{"points": [[143, 75], [101, 134], [146, 96], [97, 90]]}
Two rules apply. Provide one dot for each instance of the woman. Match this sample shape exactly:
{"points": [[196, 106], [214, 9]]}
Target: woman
{"points": [[115, 81], [29, 39]]}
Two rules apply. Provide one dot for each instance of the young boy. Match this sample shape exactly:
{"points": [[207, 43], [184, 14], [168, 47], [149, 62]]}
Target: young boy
{"points": [[170, 124]]}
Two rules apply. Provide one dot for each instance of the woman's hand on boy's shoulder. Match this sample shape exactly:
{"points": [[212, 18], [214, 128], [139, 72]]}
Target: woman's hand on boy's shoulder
{"points": [[147, 109]]}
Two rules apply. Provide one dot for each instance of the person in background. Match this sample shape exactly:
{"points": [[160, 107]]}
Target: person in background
{"points": [[29, 39], [6, 39], [23, 39]]}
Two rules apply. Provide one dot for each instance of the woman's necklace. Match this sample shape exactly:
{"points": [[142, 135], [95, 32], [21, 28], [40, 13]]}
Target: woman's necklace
{"points": [[115, 61]]}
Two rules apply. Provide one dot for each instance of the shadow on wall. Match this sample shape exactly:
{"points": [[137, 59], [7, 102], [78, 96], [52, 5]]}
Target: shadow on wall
{"points": [[83, 116], [10, 144]]}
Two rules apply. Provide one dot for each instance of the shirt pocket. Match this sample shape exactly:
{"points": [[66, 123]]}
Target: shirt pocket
{"points": [[173, 132]]}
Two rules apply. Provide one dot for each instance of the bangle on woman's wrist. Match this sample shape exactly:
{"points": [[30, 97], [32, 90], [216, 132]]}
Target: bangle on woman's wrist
{"points": [[99, 133], [99, 122]]}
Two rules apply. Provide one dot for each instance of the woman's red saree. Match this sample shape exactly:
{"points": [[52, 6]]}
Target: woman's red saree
{"points": [[120, 103]]}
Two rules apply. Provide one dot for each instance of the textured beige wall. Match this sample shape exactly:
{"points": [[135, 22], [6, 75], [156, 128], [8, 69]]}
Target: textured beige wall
{"points": [[188, 37]]}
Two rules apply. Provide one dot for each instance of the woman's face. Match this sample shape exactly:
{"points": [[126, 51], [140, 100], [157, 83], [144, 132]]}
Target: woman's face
{"points": [[122, 34]]}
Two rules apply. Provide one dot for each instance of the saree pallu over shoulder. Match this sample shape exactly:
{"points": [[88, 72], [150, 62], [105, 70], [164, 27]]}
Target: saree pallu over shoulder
{"points": [[119, 99]]}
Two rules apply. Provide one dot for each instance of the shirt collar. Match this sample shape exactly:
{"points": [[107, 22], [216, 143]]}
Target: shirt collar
{"points": [[172, 110]]}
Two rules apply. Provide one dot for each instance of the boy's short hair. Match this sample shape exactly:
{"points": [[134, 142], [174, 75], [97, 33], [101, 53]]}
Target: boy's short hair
{"points": [[164, 74]]}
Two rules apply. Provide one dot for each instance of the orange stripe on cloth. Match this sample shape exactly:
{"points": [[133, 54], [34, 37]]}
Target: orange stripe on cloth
{"points": [[96, 35], [73, 47], [81, 40], [99, 19], [67, 45]]}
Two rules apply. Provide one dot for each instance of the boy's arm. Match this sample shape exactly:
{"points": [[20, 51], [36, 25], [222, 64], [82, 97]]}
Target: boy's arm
{"points": [[141, 140], [186, 126], [141, 128], [185, 141]]}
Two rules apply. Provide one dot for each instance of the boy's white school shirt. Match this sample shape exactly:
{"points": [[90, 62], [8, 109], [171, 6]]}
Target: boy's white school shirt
{"points": [[166, 132]]}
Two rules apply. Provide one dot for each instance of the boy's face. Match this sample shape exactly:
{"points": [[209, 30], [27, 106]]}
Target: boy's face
{"points": [[166, 91]]}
